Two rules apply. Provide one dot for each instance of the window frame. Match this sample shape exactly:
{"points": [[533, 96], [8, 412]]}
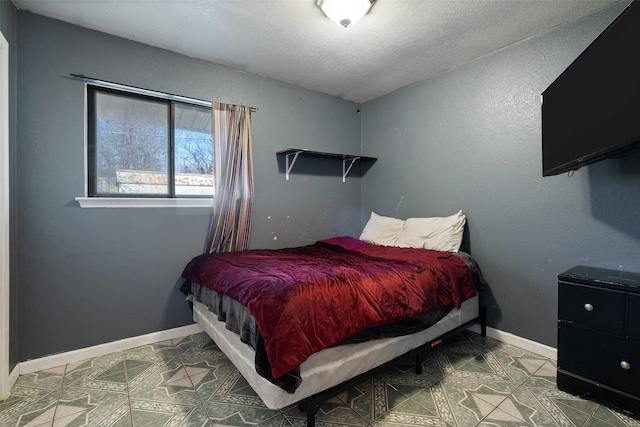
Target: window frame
{"points": [[117, 200]]}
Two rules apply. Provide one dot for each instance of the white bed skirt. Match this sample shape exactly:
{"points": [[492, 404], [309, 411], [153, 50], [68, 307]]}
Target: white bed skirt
{"points": [[328, 367]]}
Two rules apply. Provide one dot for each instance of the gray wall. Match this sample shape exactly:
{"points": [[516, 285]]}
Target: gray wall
{"points": [[470, 139], [8, 27], [89, 276]]}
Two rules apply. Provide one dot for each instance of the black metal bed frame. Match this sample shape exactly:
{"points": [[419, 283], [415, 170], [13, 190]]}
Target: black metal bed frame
{"points": [[311, 404]]}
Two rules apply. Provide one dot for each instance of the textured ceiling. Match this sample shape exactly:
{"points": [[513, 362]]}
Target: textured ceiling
{"points": [[397, 43]]}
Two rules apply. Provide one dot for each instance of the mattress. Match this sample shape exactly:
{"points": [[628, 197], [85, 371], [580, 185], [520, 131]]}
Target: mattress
{"points": [[330, 366]]}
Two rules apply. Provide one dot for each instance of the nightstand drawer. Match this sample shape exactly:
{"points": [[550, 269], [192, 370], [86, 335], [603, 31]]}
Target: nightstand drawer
{"points": [[601, 309], [633, 311], [601, 357]]}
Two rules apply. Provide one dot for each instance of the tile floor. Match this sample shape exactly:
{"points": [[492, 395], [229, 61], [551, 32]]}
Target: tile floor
{"points": [[467, 381]]}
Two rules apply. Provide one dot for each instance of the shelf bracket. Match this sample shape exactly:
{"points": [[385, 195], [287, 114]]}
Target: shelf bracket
{"points": [[291, 160], [345, 169]]}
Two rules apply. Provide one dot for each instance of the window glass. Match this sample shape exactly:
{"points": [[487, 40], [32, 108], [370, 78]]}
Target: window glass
{"points": [[193, 150], [139, 147]]}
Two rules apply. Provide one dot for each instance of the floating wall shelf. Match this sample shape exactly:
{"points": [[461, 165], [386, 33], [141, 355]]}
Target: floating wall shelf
{"points": [[348, 160]]}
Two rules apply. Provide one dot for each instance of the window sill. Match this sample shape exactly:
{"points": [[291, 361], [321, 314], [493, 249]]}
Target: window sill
{"points": [[122, 202]]}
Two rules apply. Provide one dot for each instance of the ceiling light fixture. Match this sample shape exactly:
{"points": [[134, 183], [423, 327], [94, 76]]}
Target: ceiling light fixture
{"points": [[345, 12]]}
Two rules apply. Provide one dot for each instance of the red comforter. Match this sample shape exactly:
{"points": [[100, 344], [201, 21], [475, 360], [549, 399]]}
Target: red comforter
{"points": [[308, 298]]}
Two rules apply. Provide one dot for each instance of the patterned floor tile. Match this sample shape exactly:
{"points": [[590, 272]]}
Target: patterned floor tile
{"points": [[519, 363], [199, 375], [499, 418], [468, 380], [84, 406], [225, 414], [539, 402], [28, 406], [87, 371], [480, 381], [468, 336], [35, 418], [158, 348], [49, 379], [432, 371], [120, 417], [47, 424], [227, 397], [276, 422], [161, 413], [170, 394], [99, 375], [334, 412], [500, 365], [174, 402], [548, 369], [466, 358], [229, 387], [198, 343], [222, 383], [376, 396], [464, 401], [380, 423], [614, 417], [210, 356], [465, 346], [422, 407], [147, 374]]}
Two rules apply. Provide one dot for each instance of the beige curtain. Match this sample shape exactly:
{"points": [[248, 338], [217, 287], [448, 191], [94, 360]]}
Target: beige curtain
{"points": [[233, 197]]}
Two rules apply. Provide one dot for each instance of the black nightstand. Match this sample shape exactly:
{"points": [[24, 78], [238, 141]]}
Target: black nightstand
{"points": [[599, 335]]}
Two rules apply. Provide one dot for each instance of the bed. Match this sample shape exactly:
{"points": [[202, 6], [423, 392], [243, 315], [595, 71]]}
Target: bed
{"points": [[302, 324]]}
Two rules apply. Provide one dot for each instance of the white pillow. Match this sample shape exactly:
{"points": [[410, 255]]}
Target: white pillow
{"points": [[438, 233], [382, 230]]}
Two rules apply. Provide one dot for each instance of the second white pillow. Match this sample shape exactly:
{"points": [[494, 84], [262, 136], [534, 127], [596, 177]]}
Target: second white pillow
{"points": [[438, 233]]}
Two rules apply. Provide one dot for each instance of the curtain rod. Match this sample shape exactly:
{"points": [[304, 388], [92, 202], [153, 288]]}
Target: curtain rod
{"points": [[142, 91]]}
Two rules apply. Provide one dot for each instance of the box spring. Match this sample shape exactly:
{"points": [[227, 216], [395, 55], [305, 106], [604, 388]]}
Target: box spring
{"points": [[331, 366]]}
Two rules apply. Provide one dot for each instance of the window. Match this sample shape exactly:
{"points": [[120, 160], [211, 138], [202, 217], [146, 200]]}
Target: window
{"points": [[143, 146]]}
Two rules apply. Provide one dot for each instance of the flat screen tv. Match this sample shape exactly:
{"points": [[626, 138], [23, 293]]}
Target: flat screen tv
{"points": [[592, 110]]}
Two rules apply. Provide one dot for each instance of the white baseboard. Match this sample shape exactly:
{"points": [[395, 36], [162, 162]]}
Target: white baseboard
{"points": [[60, 359], [11, 381], [507, 338], [13, 376]]}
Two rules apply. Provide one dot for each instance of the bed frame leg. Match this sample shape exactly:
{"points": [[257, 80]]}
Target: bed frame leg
{"points": [[418, 363], [483, 320], [310, 409], [311, 416]]}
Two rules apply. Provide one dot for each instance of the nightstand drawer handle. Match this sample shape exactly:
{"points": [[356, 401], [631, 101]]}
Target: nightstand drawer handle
{"points": [[588, 307], [625, 365]]}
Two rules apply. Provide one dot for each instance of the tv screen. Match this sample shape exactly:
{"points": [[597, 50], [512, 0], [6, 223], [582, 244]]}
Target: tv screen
{"points": [[592, 110]]}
